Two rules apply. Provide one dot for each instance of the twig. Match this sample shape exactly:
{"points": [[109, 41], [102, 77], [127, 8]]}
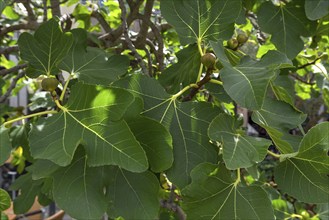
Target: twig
{"points": [[45, 10], [116, 34], [301, 79], [199, 84], [102, 21], [8, 50], [171, 205], [127, 39], [253, 19], [13, 83], [308, 64], [13, 69]]}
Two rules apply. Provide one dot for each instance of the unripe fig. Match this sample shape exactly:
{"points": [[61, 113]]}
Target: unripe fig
{"points": [[208, 60], [49, 84], [242, 38], [233, 43]]}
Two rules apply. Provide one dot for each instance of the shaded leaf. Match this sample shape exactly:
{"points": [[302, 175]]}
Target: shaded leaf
{"points": [[46, 48], [29, 189], [187, 123], [92, 118], [133, 196], [277, 124], [79, 190], [286, 23], [239, 150], [92, 65], [316, 9], [213, 195], [5, 145], [155, 140], [308, 169], [184, 72], [4, 200], [201, 19]]}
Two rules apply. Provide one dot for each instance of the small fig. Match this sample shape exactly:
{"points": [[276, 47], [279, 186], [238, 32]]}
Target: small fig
{"points": [[233, 43], [208, 60], [242, 38], [49, 84]]}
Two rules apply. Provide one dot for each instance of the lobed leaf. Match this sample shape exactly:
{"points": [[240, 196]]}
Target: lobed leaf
{"points": [[308, 169], [187, 123], [247, 82], [213, 195], [92, 65], [93, 118], [201, 19], [133, 196], [286, 23], [45, 50]]}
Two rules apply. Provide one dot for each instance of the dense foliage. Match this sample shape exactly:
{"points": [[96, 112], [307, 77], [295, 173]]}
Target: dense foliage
{"points": [[171, 109]]}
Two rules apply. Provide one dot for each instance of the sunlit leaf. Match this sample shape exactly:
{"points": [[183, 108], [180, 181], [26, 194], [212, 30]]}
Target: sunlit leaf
{"points": [[92, 117], [4, 200]]}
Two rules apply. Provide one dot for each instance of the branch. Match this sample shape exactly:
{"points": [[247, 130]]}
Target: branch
{"points": [[13, 69], [30, 13], [55, 9], [26, 26], [8, 50], [127, 38], [116, 34], [13, 83], [102, 21], [159, 53], [145, 22]]}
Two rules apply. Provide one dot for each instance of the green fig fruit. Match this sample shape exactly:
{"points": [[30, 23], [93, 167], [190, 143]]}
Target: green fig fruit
{"points": [[242, 38], [49, 84], [233, 43], [208, 60]]}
